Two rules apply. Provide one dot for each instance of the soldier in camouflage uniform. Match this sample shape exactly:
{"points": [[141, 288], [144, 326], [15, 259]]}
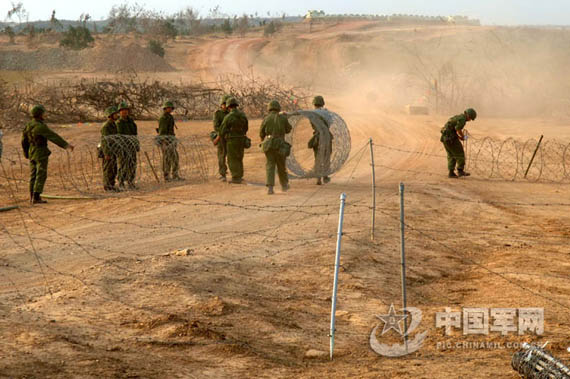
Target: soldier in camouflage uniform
{"points": [[35, 145], [109, 148], [314, 143], [127, 129], [168, 143], [276, 149], [451, 137], [233, 130], [220, 143]]}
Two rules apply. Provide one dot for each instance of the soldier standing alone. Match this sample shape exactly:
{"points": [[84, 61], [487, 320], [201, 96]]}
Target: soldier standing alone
{"points": [[233, 130], [127, 128], [276, 149], [451, 137], [317, 146], [167, 141], [109, 148], [35, 145], [220, 143]]}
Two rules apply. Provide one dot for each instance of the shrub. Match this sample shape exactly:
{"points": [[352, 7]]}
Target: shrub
{"points": [[156, 48], [77, 38]]}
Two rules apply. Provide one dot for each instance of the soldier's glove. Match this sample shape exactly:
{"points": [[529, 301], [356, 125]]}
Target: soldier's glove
{"points": [[216, 141]]}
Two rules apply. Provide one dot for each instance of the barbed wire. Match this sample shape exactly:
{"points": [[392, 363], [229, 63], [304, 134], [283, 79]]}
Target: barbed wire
{"points": [[508, 159]]}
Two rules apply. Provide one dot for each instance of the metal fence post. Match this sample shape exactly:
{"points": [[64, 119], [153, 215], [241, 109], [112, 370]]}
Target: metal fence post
{"points": [[403, 259], [373, 190], [336, 268]]}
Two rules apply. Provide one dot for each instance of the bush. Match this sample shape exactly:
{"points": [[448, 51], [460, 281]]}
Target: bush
{"points": [[227, 27], [156, 48], [269, 29], [77, 38]]}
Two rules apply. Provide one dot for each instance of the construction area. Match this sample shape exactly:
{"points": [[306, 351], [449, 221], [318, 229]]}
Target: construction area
{"points": [[203, 279]]}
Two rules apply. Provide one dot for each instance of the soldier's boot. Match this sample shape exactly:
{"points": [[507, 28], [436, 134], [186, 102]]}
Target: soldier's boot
{"points": [[38, 199], [319, 182], [285, 188], [166, 178], [270, 190], [178, 178], [326, 179], [121, 186], [132, 186], [452, 174], [461, 172]]}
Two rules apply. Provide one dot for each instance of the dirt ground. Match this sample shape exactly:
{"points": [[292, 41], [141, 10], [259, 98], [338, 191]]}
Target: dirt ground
{"points": [[215, 280]]}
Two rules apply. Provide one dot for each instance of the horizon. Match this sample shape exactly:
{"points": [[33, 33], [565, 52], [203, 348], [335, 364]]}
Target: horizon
{"points": [[508, 13]]}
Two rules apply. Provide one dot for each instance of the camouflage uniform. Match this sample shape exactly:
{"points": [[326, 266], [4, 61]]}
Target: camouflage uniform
{"points": [[316, 145], [168, 144], [234, 129], [452, 144], [109, 149], [35, 145], [127, 128], [222, 152], [273, 130]]}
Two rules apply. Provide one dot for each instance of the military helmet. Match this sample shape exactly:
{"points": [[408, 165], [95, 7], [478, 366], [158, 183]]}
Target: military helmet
{"points": [[111, 111], [274, 106], [223, 99], [471, 113], [124, 105], [232, 101], [319, 101], [37, 110], [168, 104]]}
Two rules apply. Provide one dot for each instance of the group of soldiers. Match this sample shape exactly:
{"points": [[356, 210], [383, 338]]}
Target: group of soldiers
{"points": [[230, 138], [119, 145]]}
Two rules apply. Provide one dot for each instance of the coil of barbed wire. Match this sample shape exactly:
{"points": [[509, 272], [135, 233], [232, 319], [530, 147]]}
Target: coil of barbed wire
{"points": [[333, 140], [81, 171]]}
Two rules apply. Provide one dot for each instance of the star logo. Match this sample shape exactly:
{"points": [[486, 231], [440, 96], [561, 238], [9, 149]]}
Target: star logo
{"points": [[392, 321]]}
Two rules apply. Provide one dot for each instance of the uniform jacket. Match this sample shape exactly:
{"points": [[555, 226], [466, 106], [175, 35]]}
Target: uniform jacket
{"points": [[449, 131], [235, 124], [35, 140]]}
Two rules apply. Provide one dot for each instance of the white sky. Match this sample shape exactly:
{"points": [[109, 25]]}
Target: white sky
{"points": [[506, 12]]}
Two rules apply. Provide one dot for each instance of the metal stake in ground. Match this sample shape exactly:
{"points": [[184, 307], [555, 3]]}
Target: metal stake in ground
{"points": [[402, 244], [533, 155], [373, 190], [336, 267]]}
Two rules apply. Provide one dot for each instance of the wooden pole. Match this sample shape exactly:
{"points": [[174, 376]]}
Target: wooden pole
{"points": [[533, 155], [152, 168]]}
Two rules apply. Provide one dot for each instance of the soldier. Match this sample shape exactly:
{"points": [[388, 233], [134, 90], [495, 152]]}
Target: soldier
{"points": [[109, 149], [127, 128], [218, 141], [35, 145], [276, 149], [233, 130], [167, 141], [314, 142], [451, 135]]}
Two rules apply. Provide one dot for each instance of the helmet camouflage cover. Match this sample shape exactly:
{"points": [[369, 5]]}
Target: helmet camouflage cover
{"points": [[111, 111], [471, 113], [168, 104], [223, 99], [274, 106], [319, 101], [124, 105], [232, 101], [37, 110]]}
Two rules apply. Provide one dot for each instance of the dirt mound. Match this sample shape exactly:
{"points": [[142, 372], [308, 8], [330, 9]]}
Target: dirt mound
{"points": [[118, 58], [115, 58], [41, 59]]}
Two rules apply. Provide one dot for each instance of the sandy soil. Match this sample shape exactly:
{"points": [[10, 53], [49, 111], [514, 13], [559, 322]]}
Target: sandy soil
{"points": [[96, 288]]}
